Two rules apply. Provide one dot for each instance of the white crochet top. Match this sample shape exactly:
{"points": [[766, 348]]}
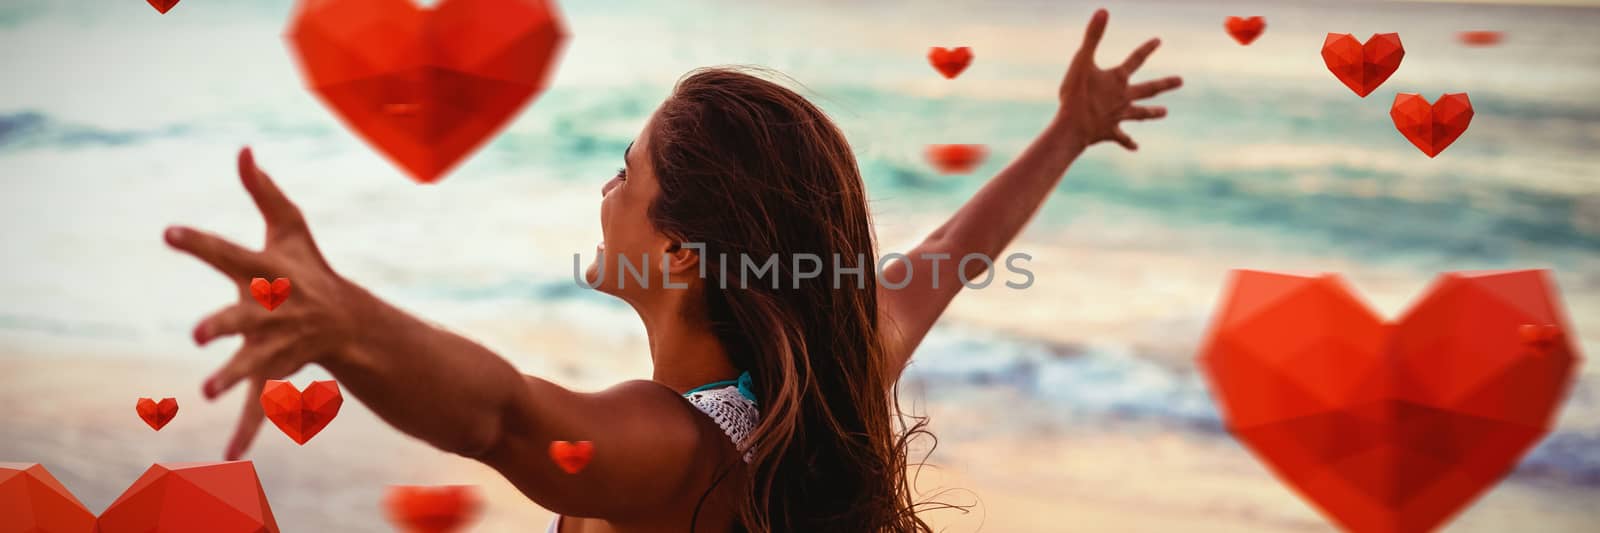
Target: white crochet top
{"points": [[736, 414]]}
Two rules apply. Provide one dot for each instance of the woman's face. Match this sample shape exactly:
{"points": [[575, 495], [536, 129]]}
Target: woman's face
{"points": [[626, 230]]}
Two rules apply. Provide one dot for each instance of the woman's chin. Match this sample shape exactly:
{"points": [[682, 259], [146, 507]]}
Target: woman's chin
{"points": [[592, 276]]}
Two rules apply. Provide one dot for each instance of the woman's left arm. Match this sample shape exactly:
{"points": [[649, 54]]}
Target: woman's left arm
{"points": [[1094, 102]]}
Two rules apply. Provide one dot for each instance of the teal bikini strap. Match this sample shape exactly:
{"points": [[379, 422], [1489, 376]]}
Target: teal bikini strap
{"points": [[747, 387], [744, 383]]}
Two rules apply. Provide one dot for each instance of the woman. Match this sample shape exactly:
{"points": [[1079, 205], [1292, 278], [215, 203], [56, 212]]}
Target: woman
{"points": [[771, 406]]}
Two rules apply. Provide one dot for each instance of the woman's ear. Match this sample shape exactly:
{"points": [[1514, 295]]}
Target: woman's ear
{"points": [[681, 257]]}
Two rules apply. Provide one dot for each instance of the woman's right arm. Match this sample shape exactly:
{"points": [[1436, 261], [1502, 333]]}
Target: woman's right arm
{"points": [[435, 385]]}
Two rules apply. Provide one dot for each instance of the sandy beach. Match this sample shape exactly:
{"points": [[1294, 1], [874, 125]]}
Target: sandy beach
{"points": [[76, 415]]}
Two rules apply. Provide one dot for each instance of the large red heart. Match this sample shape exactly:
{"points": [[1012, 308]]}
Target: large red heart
{"points": [[32, 500], [950, 62], [426, 86], [1431, 127], [1363, 67], [168, 498], [1245, 30], [163, 5], [157, 414], [432, 509], [571, 456], [270, 295], [301, 415], [956, 158], [1389, 427], [192, 498]]}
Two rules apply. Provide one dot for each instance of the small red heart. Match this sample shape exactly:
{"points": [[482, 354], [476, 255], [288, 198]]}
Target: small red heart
{"points": [[1481, 37], [571, 456], [432, 509], [157, 414], [163, 5], [426, 86], [301, 415], [1431, 127], [956, 158], [1363, 67], [1245, 30], [270, 295], [950, 62]]}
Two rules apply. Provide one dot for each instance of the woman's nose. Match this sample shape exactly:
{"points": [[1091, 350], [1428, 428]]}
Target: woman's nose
{"points": [[606, 189]]}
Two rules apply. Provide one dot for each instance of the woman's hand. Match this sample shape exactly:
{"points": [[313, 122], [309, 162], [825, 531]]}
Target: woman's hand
{"points": [[317, 320], [1095, 101]]}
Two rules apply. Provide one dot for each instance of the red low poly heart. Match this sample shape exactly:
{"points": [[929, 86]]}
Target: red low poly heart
{"points": [[950, 62], [168, 498], [192, 498], [157, 414], [33, 500], [301, 415], [270, 295], [163, 5], [426, 86], [1389, 426], [1431, 127], [1245, 30], [571, 456], [1481, 37], [432, 509], [1363, 67], [956, 158]]}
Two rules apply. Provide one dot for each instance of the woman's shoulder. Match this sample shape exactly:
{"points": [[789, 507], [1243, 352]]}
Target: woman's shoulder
{"points": [[713, 419], [693, 420]]}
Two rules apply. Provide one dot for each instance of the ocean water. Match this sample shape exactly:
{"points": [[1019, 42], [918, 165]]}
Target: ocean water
{"points": [[116, 121]]}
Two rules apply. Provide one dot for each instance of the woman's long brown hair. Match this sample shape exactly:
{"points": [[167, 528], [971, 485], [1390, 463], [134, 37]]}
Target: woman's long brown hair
{"points": [[751, 170]]}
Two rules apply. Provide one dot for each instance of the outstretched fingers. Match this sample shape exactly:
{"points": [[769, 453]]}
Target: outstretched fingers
{"points": [[249, 422], [1136, 59], [1091, 36], [281, 215], [1122, 138], [252, 359], [1140, 112], [1151, 88], [239, 318], [231, 259]]}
